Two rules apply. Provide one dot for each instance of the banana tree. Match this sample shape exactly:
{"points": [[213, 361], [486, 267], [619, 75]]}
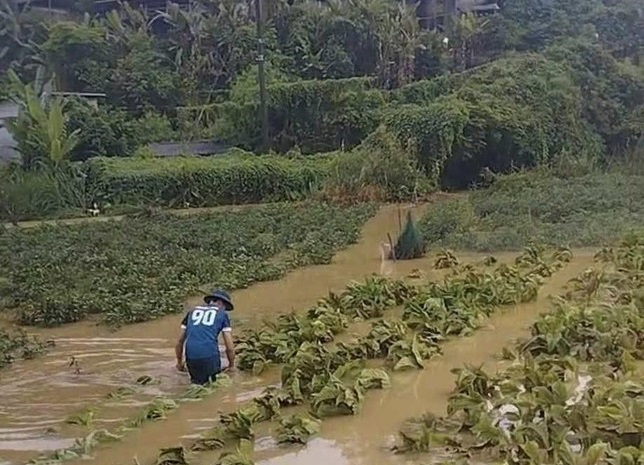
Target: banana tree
{"points": [[39, 129], [468, 30], [18, 28]]}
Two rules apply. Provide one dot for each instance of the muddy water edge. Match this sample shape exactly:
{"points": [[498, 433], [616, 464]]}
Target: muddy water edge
{"points": [[362, 439], [38, 395]]}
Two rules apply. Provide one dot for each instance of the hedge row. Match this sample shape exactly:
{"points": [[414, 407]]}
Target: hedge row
{"points": [[316, 115], [119, 185], [199, 182]]}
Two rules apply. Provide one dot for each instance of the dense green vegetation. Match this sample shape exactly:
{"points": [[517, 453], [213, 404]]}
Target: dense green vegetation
{"points": [[593, 209], [122, 184], [199, 182], [538, 83], [144, 266], [573, 394]]}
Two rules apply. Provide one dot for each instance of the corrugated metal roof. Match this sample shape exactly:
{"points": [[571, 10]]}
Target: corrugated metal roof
{"points": [[8, 110], [175, 149], [7, 147]]}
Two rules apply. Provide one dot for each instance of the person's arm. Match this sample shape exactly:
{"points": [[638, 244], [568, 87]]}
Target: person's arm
{"points": [[178, 348], [227, 331]]}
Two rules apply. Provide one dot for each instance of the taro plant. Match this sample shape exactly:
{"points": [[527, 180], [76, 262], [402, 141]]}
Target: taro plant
{"points": [[404, 355], [547, 407], [155, 410], [342, 392], [239, 424], [297, 428], [39, 129], [243, 455], [83, 418], [172, 456], [172, 254], [18, 344], [446, 259]]}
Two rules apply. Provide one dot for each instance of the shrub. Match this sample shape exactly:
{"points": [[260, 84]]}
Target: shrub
{"points": [[319, 116], [102, 131], [204, 181], [378, 169], [517, 112], [50, 192], [588, 210]]}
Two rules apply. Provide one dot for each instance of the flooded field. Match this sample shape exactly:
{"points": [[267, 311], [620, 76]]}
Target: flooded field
{"points": [[91, 366]]}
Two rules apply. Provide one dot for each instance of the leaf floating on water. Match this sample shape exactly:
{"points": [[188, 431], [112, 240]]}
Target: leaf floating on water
{"points": [[297, 428], [144, 380], [121, 392]]}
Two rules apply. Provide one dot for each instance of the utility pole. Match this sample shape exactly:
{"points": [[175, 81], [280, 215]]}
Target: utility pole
{"points": [[262, 74]]}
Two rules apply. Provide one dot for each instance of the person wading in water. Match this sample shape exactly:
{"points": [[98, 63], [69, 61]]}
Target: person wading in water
{"points": [[200, 331]]}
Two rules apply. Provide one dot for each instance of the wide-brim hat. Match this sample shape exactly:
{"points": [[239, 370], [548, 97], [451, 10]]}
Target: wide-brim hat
{"points": [[220, 295]]}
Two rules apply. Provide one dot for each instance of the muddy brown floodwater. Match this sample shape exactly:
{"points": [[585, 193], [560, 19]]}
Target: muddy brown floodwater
{"points": [[38, 395]]}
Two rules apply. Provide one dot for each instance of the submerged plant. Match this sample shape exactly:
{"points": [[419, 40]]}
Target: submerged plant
{"points": [[404, 355], [84, 418], [297, 428], [156, 410], [172, 456], [446, 259], [242, 456], [239, 424]]}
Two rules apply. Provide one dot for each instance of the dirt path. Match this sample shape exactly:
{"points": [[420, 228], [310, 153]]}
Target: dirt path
{"points": [[42, 392], [89, 219]]}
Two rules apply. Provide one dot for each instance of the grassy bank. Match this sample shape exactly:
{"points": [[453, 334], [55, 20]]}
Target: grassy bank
{"points": [[536, 206], [144, 267]]}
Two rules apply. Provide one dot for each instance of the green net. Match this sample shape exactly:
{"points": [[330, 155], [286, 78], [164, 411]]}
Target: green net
{"points": [[410, 244]]}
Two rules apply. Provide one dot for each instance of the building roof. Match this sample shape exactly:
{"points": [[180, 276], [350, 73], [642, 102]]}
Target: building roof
{"points": [[175, 149], [8, 110], [7, 147]]}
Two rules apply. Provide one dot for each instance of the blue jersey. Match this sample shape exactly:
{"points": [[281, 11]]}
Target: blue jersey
{"points": [[203, 325]]}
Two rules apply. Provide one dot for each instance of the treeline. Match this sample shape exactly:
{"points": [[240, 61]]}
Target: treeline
{"points": [[538, 83]]}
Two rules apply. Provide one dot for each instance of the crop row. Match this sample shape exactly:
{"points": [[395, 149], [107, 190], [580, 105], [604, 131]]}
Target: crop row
{"points": [[144, 267], [574, 392], [330, 377]]}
